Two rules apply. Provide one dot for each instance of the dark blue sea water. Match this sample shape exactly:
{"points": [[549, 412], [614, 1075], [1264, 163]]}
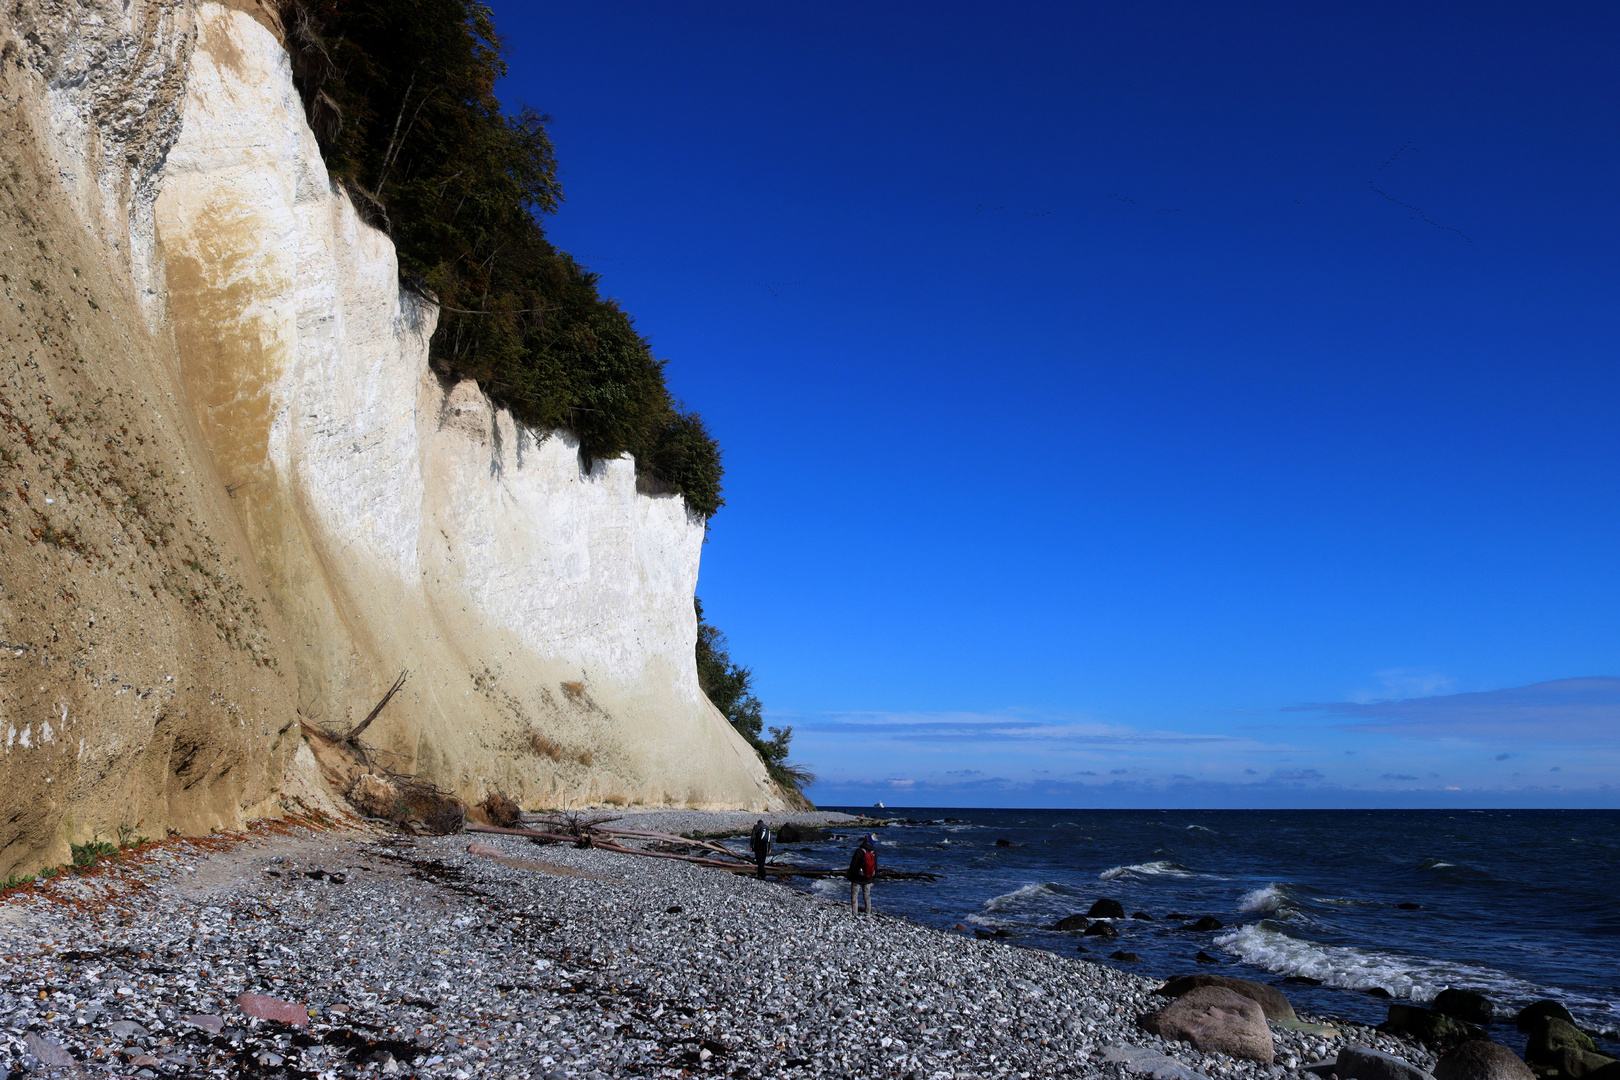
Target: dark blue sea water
{"points": [[1517, 904]]}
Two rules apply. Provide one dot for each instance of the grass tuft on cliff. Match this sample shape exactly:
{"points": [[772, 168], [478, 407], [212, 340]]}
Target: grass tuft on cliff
{"points": [[401, 94], [730, 688]]}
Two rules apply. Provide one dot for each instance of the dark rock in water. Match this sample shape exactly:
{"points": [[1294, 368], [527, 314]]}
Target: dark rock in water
{"points": [[1303, 980], [1269, 998], [1124, 957], [1529, 1017], [1204, 958], [1480, 1060], [1465, 1005], [1107, 909], [1378, 991], [1072, 922], [1142, 915], [1365, 1063], [1410, 906], [1081, 948], [1102, 930], [1004, 842], [1215, 1020], [1436, 1029], [983, 934], [791, 833], [1578, 1064], [1209, 922], [1549, 1035]]}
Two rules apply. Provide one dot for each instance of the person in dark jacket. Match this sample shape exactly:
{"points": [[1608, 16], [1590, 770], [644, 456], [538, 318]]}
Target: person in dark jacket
{"points": [[862, 869], [760, 844]]}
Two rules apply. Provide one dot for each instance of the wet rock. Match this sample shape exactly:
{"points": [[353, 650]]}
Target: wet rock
{"points": [[1303, 980], [1551, 1035], [1004, 842], [1144, 916], [1271, 1000], [1124, 957], [268, 1008], [1107, 909], [1209, 922], [1409, 906], [1215, 1020], [1377, 992], [1204, 958], [1529, 1017], [1365, 1063], [1072, 922], [1436, 1029], [1582, 1064], [794, 833], [1102, 930], [1478, 1059], [1465, 1005]]}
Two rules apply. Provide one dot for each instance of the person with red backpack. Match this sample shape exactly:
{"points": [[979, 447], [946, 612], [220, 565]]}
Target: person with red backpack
{"points": [[862, 869]]}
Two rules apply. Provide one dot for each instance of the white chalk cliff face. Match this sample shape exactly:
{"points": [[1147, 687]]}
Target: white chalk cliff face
{"points": [[544, 613]]}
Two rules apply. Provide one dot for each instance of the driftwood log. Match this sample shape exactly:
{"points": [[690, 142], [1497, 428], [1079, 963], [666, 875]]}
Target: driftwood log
{"points": [[721, 859]]}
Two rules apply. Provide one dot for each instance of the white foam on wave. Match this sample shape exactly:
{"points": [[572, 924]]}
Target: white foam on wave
{"points": [[1198, 828], [1021, 897], [1266, 901], [1414, 977], [1161, 868]]}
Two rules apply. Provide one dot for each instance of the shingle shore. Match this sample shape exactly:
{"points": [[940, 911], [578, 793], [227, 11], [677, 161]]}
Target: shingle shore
{"points": [[415, 957]]}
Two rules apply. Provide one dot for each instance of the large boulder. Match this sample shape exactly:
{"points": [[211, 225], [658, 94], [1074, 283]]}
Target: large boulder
{"points": [[1432, 1028], [1577, 1064], [1072, 922], [1552, 1035], [1215, 1020], [1104, 930], [1365, 1063], [1269, 998], [791, 833], [1481, 1060], [1529, 1017], [1465, 1005], [1107, 909]]}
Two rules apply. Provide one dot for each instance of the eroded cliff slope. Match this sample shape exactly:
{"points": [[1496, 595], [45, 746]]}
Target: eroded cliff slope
{"points": [[266, 503]]}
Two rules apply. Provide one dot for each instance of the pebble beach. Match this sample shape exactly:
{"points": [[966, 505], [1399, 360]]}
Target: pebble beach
{"points": [[303, 951]]}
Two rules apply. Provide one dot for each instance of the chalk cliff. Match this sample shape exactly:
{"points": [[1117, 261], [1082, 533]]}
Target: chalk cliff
{"points": [[265, 503]]}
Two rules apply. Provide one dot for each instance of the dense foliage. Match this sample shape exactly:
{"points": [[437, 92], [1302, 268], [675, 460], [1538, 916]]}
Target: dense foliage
{"points": [[730, 688], [402, 95]]}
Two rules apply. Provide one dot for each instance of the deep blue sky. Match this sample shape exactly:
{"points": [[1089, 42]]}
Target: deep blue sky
{"points": [[1101, 382]]}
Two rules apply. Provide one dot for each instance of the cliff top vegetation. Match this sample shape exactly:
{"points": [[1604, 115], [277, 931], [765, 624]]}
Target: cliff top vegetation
{"points": [[401, 94]]}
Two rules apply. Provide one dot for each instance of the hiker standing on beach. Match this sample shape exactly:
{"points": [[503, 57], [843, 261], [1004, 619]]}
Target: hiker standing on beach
{"points": [[862, 869], [760, 843]]}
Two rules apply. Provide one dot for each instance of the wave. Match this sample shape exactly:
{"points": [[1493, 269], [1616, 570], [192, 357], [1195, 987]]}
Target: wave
{"points": [[1199, 828], [1267, 901], [1402, 976], [1160, 868], [1026, 896]]}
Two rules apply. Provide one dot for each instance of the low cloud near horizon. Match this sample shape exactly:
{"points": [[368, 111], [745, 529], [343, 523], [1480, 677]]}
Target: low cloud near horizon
{"points": [[1510, 747]]}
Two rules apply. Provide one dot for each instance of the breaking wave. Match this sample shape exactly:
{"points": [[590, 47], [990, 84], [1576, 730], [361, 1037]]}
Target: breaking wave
{"points": [[1161, 868], [1402, 976]]}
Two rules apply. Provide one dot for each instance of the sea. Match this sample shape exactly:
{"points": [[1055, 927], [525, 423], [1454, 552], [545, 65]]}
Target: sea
{"points": [[1337, 908]]}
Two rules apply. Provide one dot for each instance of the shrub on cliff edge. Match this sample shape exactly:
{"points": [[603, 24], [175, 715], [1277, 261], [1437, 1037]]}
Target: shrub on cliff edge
{"points": [[401, 94]]}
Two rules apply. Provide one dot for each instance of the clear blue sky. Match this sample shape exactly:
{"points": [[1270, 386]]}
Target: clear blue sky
{"points": [[1102, 383]]}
